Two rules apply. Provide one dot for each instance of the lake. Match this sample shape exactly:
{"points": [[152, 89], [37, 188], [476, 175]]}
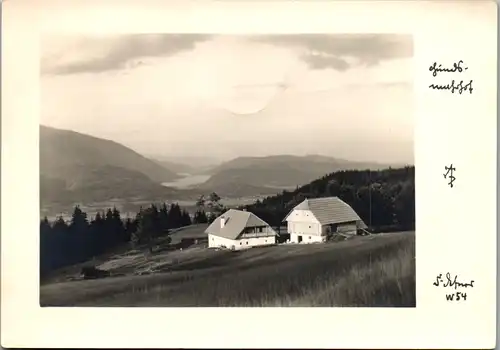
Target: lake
{"points": [[187, 181]]}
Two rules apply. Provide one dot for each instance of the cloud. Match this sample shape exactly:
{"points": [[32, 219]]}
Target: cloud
{"points": [[343, 51], [322, 61], [100, 54]]}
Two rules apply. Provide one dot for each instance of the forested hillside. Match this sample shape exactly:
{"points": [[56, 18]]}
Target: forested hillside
{"points": [[384, 199]]}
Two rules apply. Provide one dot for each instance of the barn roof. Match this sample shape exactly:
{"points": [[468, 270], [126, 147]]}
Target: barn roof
{"points": [[328, 210], [236, 222]]}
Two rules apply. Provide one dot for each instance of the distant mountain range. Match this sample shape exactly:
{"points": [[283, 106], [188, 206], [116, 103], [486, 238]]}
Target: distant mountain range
{"points": [[178, 168], [187, 164], [281, 171], [75, 167]]}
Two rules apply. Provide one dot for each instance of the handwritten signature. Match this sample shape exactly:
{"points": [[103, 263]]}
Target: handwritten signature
{"points": [[460, 87], [451, 282], [435, 68]]}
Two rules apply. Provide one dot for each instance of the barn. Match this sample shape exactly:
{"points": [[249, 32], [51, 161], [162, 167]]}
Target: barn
{"points": [[237, 229], [316, 219]]}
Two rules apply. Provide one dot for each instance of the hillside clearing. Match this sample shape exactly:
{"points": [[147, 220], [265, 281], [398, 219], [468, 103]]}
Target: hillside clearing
{"points": [[377, 270]]}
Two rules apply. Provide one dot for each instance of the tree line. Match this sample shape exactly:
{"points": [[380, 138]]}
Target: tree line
{"points": [[384, 199], [64, 243]]}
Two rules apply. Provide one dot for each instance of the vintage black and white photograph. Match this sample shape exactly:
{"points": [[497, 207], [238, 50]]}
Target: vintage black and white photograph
{"points": [[215, 170]]}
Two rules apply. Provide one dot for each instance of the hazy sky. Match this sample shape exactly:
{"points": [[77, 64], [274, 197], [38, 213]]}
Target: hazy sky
{"points": [[348, 96]]}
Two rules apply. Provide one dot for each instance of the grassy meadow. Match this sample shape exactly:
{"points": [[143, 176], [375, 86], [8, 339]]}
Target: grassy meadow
{"points": [[376, 271]]}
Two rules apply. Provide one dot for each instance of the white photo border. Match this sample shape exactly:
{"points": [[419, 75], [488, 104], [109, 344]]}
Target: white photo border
{"points": [[449, 128]]}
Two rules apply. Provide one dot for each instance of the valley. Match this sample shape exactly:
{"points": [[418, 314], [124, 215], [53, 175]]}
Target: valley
{"points": [[95, 173]]}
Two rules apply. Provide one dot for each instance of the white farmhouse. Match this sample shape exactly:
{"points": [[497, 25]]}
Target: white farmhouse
{"points": [[236, 229], [313, 220]]}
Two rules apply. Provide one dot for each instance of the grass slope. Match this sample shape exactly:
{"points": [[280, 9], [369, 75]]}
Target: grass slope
{"points": [[377, 270]]}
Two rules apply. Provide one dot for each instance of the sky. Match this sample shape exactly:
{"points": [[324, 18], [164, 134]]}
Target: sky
{"points": [[344, 95]]}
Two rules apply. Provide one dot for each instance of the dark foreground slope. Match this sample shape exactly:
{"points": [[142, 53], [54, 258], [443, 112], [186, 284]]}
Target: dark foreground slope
{"points": [[377, 270]]}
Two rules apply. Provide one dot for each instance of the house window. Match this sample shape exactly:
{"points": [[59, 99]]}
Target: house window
{"points": [[212, 238], [309, 226], [240, 243], [309, 237], [247, 242], [260, 229]]}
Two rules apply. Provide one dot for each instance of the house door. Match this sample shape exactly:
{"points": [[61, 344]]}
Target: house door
{"points": [[299, 239]]}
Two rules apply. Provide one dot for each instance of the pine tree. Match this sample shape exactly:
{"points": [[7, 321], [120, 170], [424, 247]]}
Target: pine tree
{"points": [[46, 242], [155, 220], [129, 229], [118, 228], [186, 218], [79, 222], [146, 228], [164, 218], [79, 243], [135, 238], [108, 229], [97, 234], [60, 225], [45, 225], [200, 217], [62, 240], [175, 216]]}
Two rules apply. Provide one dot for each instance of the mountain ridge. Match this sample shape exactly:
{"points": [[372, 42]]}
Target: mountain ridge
{"points": [[283, 171], [61, 149], [76, 167]]}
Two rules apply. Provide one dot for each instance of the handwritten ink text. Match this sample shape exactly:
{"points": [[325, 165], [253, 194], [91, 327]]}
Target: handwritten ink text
{"points": [[455, 85], [457, 295], [435, 68], [451, 282], [449, 173], [460, 87]]}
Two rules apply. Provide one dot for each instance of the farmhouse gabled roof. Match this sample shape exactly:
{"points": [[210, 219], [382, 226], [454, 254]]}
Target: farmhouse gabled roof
{"points": [[328, 210], [236, 222]]}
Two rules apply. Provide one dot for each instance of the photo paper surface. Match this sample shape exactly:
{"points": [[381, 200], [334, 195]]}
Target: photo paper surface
{"points": [[204, 166]]}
